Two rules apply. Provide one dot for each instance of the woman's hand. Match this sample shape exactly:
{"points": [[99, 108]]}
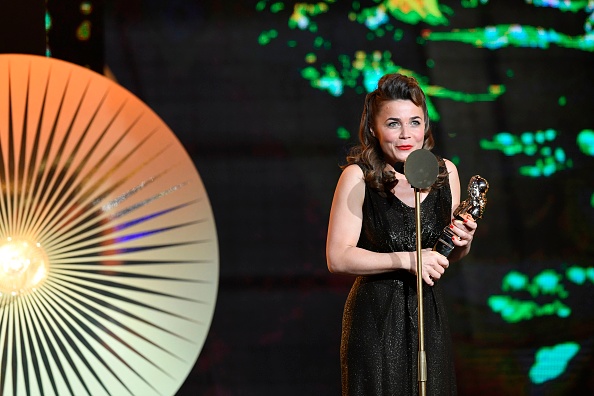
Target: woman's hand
{"points": [[463, 231], [434, 265]]}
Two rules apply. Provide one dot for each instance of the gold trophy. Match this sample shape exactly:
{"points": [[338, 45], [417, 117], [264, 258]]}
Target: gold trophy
{"points": [[473, 206]]}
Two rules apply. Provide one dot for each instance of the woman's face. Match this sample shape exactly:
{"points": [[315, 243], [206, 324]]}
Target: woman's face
{"points": [[400, 128]]}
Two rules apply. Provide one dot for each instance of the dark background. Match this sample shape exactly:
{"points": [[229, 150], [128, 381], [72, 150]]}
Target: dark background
{"points": [[265, 144]]}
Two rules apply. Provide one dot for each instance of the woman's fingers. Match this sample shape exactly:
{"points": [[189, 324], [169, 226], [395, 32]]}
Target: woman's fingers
{"points": [[463, 231], [434, 266]]}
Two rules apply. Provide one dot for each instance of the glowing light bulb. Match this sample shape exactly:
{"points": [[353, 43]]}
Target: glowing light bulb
{"points": [[24, 266]]}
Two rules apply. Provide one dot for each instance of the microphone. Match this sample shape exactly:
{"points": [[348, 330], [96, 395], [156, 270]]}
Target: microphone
{"points": [[421, 169], [473, 206]]}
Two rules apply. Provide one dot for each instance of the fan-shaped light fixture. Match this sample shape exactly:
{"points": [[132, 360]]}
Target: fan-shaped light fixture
{"points": [[108, 246]]}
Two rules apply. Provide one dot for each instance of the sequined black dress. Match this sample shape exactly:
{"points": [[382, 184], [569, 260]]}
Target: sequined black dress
{"points": [[379, 337]]}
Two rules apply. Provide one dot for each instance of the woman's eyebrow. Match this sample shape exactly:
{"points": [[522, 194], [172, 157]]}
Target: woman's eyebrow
{"points": [[399, 118]]}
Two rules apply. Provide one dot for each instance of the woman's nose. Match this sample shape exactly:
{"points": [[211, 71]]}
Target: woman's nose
{"points": [[405, 131]]}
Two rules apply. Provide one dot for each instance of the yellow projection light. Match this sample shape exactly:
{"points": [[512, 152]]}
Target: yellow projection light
{"points": [[23, 266]]}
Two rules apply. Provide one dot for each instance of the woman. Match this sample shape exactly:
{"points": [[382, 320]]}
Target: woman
{"points": [[371, 234]]}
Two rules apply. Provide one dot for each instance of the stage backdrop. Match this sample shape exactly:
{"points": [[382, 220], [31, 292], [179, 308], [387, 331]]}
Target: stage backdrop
{"points": [[266, 96]]}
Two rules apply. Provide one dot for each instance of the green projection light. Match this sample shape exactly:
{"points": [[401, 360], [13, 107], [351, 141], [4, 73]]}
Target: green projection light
{"points": [[513, 35], [548, 285], [585, 142], [548, 159], [551, 362]]}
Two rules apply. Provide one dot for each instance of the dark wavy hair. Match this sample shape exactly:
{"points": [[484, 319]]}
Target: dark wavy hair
{"points": [[368, 152]]}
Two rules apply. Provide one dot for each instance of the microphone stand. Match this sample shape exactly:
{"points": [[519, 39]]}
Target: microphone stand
{"points": [[422, 359], [421, 169]]}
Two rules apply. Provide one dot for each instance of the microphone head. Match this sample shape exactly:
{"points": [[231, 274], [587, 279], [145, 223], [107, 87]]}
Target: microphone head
{"points": [[421, 169]]}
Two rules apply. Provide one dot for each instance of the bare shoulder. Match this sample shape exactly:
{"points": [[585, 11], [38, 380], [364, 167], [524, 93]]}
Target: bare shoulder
{"points": [[451, 167], [353, 170], [454, 182], [352, 174], [351, 184]]}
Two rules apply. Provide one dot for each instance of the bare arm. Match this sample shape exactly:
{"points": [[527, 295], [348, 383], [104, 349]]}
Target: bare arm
{"points": [[342, 254], [464, 230]]}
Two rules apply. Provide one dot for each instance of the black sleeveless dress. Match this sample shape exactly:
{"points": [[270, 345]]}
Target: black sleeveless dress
{"points": [[379, 345]]}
